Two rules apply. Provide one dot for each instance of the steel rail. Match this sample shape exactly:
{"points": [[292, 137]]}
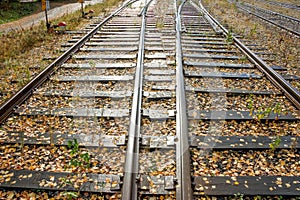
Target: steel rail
{"points": [[7, 107], [281, 4], [184, 190], [285, 5], [291, 93], [130, 187], [272, 22], [272, 12]]}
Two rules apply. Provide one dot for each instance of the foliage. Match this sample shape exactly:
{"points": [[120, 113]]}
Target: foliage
{"points": [[263, 111], [275, 144], [239, 196], [70, 195], [257, 197], [13, 10], [22, 41], [159, 25], [229, 37], [250, 103], [78, 158], [253, 31], [17, 52]]}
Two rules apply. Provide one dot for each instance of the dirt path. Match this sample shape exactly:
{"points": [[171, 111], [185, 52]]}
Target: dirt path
{"points": [[35, 19]]}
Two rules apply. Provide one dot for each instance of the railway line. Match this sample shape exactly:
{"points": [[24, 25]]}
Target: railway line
{"points": [[158, 101], [282, 4], [290, 24]]}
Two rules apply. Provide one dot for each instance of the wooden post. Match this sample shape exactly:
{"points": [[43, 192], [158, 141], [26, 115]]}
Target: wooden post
{"points": [[45, 7], [82, 11]]}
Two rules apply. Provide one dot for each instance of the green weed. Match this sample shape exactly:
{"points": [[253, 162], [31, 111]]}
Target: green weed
{"points": [[71, 195], [229, 37], [263, 111], [78, 158], [275, 143], [239, 196], [253, 30]]}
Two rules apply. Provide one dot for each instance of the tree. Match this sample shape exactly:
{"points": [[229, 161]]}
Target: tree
{"points": [[6, 4]]}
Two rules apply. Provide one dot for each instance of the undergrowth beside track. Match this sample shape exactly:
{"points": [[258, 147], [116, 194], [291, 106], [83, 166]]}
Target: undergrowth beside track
{"points": [[22, 52]]}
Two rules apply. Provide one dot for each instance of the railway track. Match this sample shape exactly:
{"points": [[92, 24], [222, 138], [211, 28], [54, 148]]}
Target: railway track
{"points": [[282, 4], [217, 138], [158, 101], [285, 22]]}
